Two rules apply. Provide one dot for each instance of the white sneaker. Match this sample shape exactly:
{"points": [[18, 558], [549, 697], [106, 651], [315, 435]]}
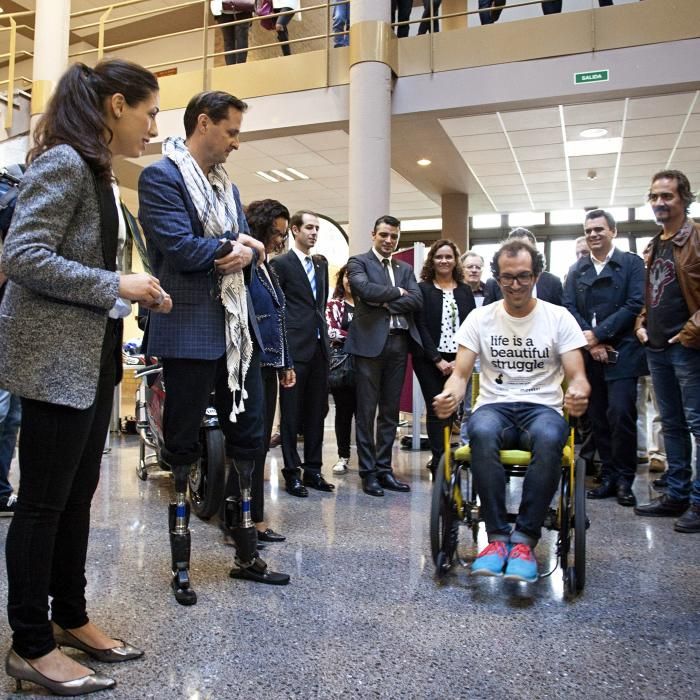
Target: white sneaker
{"points": [[341, 466]]}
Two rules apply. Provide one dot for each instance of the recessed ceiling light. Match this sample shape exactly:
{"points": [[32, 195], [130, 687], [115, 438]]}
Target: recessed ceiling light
{"points": [[593, 148], [265, 176], [424, 162], [593, 133], [283, 175], [301, 176]]}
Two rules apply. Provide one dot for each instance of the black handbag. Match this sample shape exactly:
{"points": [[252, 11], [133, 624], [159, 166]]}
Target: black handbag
{"points": [[234, 6], [341, 371]]}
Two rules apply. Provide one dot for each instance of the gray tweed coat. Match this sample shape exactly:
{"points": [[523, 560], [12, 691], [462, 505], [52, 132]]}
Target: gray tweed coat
{"points": [[54, 312]]}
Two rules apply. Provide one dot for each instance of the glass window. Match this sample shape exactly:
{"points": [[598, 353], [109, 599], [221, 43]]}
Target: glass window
{"points": [[567, 216], [526, 219], [486, 221], [486, 250], [644, 213]]}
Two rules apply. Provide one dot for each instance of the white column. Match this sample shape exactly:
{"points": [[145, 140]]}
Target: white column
{"points": [[51, 40], [370, 134]]}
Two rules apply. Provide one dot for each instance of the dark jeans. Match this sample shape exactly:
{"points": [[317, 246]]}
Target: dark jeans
{"points": [[432, 381], [424, 27], [551, 7], [304, 407], [341, 23], [403, 9], [283, 35], [525, 426], [491, 17], [675, 373], [60, 451], [612, 410], [345, 406], [378, 385], [235, 37], [188, 384], [10, 418]]}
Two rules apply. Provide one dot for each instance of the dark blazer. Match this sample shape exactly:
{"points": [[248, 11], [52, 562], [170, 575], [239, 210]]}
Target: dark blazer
{"points": [[306, 316], [549, 288], [183, 260], [270, 313], [376, 300], [615, 296], [429, 320]]}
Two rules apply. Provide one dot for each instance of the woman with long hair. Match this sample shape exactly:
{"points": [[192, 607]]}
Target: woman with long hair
{"points": [[339, 313], [446, 302], [268, 221], [65, 290]]}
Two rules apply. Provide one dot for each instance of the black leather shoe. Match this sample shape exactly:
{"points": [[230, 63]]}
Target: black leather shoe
{"points": [[605, 490], [259, 573], [314, 480], [690, 521], [662, 506], [391, 483], [371, 486], [270, 535], [625, 497], [294, 487]]}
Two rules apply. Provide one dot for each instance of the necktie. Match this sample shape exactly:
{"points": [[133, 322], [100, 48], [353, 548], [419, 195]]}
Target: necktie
{"points": [[311, 274], [385, 262]]}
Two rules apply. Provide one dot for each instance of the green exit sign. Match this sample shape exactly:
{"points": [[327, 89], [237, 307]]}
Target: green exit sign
{"points": [[592, 76]]}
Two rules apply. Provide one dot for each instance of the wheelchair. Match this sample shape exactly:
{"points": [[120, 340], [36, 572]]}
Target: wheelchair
{"points": [[455, 506]]}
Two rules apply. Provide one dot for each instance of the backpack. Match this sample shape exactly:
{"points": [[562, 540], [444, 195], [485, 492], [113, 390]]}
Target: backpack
{"points": [[10, 177]]}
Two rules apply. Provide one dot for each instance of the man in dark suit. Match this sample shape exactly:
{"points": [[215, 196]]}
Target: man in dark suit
{"points": [[386, 298], [605, 292], [548, 287], [188, 207], [304, 280]]}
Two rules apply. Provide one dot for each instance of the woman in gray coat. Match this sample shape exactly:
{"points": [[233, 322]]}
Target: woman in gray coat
{"points": [[60, 338]]}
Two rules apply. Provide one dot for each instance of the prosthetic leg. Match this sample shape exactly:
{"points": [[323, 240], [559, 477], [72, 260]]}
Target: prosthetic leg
{"points": [[179, 520], [247, 563]]}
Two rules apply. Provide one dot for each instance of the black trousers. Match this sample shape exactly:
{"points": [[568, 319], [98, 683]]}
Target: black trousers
{"points": [[305, 407], [379, 382], [431, 381], [612, 410], [491, 16], [235, 37], [403, 9], [60, 451], [188, 384], [345, 406], [424, 27]]}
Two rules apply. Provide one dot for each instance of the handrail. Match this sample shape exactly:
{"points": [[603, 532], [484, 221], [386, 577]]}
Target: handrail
{"points": [[11, 55]]}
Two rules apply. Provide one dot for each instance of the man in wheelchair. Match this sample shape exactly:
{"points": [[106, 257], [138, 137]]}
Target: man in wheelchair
{"points": [[527, 346]]}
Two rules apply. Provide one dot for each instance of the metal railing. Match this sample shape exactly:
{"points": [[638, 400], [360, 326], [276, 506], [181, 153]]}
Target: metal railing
{"points": [[11, 55]]}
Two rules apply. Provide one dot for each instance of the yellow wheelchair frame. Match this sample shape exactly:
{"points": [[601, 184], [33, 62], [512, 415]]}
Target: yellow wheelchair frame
{"points": [[454, 504]]}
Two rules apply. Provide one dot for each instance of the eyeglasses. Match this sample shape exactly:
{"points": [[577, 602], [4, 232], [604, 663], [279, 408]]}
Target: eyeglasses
{"points": [[509, 280]]}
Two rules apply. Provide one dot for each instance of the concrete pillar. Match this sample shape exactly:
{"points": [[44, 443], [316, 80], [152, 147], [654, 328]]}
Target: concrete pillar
{"points": [[372, 51], [450, 6], [51, 40], [455, 219]]}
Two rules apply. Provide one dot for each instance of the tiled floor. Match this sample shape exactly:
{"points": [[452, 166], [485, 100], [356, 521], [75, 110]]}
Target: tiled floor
{"points": [[364, 617]]}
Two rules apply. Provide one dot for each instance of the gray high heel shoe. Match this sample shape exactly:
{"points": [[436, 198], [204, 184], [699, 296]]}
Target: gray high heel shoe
{"points": [[126, 652], [21, 670]]}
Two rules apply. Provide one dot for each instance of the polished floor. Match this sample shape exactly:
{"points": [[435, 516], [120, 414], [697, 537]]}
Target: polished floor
{"points": [[364, 617]]}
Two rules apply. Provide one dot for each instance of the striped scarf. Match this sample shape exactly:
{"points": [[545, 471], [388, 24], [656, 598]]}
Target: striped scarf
{"points": [[213, 199]]}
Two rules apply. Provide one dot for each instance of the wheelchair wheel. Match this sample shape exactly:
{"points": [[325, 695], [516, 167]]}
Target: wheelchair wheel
{"points": [[206, 479], [580, 525], [444, 525], [565, 515]]}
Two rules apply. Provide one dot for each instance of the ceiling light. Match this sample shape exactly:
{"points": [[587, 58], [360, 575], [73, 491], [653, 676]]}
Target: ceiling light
{"points": [[424, 162], [591, 174], [301, 176], [593, 133], [265, 176], [284, 176], [593, 148]]}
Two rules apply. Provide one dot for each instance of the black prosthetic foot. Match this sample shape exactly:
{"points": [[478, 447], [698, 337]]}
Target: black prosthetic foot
{"points": [[259, 573], [181, 588]]}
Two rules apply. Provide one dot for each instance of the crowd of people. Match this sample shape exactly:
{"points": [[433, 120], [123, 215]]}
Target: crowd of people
{"points": [[230, 311]]}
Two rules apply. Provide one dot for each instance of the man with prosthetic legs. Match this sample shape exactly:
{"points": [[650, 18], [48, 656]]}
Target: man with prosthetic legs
{"points": [[198, 240], [526, 347]]}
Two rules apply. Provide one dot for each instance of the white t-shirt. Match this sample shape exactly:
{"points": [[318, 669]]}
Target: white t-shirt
{"points": [[520, 357]]}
